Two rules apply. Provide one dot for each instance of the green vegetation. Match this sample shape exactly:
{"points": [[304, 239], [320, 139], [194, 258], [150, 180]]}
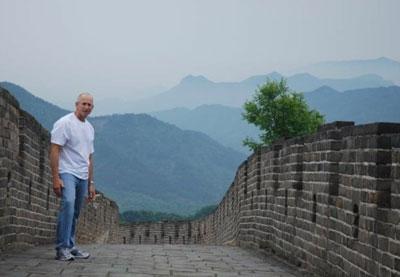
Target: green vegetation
{"points": [[279, 113], [150, 216], [145, 164]]}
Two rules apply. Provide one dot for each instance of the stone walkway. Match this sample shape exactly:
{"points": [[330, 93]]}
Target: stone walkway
{"points": [[145, 260]]}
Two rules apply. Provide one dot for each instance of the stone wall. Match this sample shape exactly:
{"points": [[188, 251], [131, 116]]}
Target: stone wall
{"points": [[99, 222], [178, 232], [28, 206], [329, 203]]}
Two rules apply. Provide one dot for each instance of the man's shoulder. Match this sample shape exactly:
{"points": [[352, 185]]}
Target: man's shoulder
{"points": [[63, 120], [66, 117]]}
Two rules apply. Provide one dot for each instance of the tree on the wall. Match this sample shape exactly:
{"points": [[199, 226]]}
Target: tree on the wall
{"points": [[279, 113]]}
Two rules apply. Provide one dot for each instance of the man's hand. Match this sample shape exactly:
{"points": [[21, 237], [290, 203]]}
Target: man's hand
{"points": [[91, 192], [57, 185]]}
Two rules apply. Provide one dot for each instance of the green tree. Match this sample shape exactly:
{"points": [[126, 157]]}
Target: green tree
{"points": [[279, 113]]}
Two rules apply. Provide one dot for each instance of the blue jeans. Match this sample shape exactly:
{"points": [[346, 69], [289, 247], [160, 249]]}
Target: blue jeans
{"points": [[72, 198]]}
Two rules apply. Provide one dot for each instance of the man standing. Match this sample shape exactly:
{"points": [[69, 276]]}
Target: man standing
{"points": [[72, 170]]}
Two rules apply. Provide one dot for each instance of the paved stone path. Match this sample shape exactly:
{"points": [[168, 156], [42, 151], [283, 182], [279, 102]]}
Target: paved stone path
{"points": [[145, 260]]}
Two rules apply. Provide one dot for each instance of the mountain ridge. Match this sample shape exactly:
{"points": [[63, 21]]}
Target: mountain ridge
{"points": [[360, 105], [225, 124], [222, 123], [196, 91], [387, 68]]}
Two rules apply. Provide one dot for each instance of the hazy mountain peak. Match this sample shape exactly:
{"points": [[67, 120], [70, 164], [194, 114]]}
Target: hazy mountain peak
{"points": [[261, 79], [326, 89], [274, 75], [383, 59], [196, 80], [387, 61], [306, 76], [255, 78]]}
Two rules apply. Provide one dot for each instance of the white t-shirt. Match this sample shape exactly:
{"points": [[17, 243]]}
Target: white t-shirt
{"points": [[76, 138]]}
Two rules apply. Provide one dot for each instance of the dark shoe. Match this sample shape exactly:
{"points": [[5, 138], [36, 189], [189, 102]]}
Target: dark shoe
{"points": [[63, 254], [79, 254]]}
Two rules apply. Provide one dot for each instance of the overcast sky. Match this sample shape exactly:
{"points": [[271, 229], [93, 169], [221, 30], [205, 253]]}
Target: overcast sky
{"points": [[123, 48]]}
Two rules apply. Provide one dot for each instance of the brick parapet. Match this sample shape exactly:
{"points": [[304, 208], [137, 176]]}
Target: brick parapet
{"points": [[328, 202], [99, 222]]}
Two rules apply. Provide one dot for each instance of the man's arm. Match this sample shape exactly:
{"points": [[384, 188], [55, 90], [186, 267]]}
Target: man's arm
{"points": [[91, 187], [54, 158]]}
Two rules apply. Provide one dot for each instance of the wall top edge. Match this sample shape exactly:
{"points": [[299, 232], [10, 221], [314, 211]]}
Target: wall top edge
{"points": [[334, 130], [29, 121], [5, 94]]}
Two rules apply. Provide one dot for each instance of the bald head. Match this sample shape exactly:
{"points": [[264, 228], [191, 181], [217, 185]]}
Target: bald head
{"points": [[84, 94], [83, 105]]}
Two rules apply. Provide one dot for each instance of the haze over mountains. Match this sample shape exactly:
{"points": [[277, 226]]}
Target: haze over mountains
{"points": [[346, 100], [144, 163], [225, 124], [387, 68], [194, 91], [361, 105], [222, 123]]}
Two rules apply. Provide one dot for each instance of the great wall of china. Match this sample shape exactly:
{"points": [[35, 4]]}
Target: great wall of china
{"points": [[328, 203]]}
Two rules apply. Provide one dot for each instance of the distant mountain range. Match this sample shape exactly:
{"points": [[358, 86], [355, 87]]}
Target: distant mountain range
{"points": [[144, 163], [150, 159], [147, 164], [222, 123], [194, 91], [361, 105], [225, 124], [387, 68]]}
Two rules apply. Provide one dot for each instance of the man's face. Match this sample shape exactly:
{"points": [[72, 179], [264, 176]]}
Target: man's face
{"points": [[84, 106]]}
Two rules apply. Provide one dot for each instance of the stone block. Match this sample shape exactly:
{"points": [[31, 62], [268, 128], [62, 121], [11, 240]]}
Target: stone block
{"points": [[384, 272], [396, 264], [394, 247], [395, 201]]}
